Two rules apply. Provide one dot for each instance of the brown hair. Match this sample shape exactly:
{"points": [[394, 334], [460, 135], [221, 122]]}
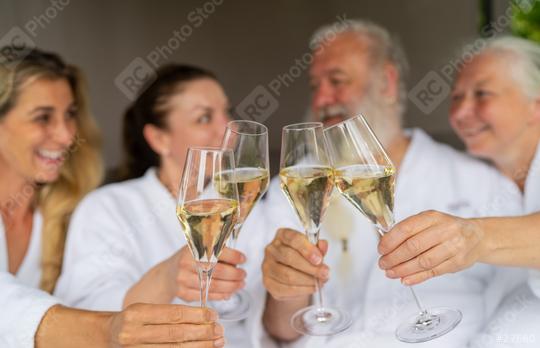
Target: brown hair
{"points": [[150, 108]]}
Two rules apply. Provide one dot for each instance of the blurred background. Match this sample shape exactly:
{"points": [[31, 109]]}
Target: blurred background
{"points": [[250, 45]]}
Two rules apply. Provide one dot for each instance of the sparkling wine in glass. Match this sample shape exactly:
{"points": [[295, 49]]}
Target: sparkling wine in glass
{"points": [[365, 176], [207, 215], [307, 180], [249, 142]]}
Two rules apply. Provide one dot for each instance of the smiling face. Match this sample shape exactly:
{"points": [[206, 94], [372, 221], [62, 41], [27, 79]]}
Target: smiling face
{"points": [[37, 132], [346, 81], [339, 75], [490, 111]]}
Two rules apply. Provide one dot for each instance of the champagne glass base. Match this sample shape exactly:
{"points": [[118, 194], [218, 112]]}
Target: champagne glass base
{"points": [[234, 309], [428, 326], [314, 321]]}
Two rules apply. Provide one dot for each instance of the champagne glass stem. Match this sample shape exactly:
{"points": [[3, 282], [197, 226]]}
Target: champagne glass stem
{"points": [[234, 236], [318, 297], [319, 303], [417, 300], [205, 276]]}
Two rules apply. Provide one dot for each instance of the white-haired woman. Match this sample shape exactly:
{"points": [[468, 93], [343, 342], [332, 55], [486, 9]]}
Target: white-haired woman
{"points": [[495, 110]]}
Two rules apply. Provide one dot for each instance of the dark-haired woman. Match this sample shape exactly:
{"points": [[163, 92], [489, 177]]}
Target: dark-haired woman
{"points": [[49, 158], [125, 243]]}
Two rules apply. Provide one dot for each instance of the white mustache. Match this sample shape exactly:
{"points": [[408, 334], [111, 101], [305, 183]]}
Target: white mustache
{"points": [[332, 111]]}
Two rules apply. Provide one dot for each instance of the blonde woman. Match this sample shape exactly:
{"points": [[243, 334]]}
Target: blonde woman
{"points": [[49, 159]]}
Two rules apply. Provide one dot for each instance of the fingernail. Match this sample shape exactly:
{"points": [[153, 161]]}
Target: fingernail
{"points": [[324, 273], [390, 273], [406, 281], [219, 342], [315, 259], [382, 264], [218, 330]]}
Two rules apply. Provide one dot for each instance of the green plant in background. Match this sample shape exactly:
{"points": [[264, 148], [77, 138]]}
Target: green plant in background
{"points": [[526, 23], [485, 9]]}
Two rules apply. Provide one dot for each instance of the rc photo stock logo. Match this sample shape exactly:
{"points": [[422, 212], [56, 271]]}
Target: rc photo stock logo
{"points": [[262, 101], [134, 76], [429, 92], [142, 69], [257, 105], [14, 46], [434, 87], [18, 42]]}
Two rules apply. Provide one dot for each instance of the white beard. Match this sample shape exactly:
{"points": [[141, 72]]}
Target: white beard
{"points": [[381, 117]]}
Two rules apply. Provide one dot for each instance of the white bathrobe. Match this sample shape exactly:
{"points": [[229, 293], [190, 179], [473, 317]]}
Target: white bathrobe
{"points": [[22, 306], [532, 205], [121, 231], [516, 323], [432, 176]]}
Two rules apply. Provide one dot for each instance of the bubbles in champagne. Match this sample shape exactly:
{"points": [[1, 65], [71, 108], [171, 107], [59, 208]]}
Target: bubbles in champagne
{"points": [[308, 189], [370, 189], [207, 225], [252, 183]]}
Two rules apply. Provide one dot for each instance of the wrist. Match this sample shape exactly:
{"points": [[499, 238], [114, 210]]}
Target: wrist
{"points": [[167, 275], [66, 327], [274, 314], [98, 324], [156, 286], [104, 324], [486, 243], [292, 303], [46, 330]]}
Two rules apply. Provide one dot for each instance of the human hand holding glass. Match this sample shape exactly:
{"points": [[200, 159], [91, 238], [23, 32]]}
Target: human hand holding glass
{"points": [[463, 244], [307, 181], [365, 176]]}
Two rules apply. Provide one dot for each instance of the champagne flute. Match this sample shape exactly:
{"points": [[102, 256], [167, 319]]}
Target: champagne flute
{"points": [[207, 215], [365, 176], [307, 181], [249, 142]]}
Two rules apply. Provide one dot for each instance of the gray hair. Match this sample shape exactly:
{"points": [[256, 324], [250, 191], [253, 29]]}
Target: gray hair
{"points": [[526, 54], [384, 47]]}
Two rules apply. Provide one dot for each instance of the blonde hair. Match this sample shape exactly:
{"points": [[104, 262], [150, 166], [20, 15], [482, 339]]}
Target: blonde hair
{"points": [[82, 170]]}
